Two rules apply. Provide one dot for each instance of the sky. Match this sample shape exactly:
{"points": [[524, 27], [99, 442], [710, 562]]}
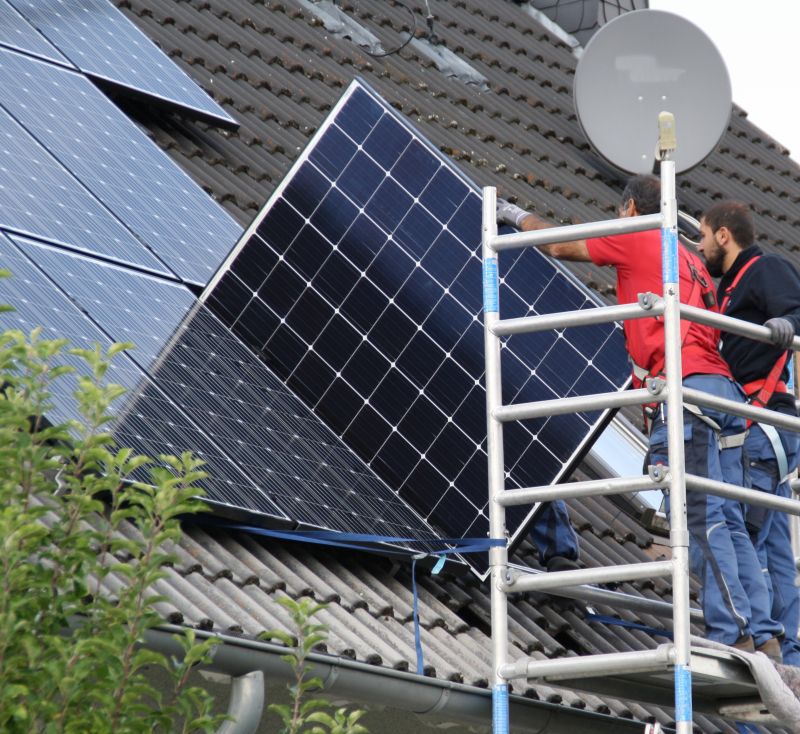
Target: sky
{"points": [[759, 41]]}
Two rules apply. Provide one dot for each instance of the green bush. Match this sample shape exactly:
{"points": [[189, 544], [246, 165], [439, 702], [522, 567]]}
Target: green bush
{"points": [[75, 592], [308, 715]]}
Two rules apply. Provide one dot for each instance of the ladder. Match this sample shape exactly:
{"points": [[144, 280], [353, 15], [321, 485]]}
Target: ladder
{"points": [[671, 674]]}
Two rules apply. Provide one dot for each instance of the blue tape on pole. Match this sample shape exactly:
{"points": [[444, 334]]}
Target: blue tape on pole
{"points": [[683, 693], [439, 565], [491, 286], [500, 709], [669, 254]]}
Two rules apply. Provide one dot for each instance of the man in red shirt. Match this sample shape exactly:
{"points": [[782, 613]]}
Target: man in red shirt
{"points": [[735, 597]]}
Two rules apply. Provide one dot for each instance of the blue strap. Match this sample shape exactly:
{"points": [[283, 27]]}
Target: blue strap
{"points": [[604, 619], [355, 541], [415, 614], [352, 540]]}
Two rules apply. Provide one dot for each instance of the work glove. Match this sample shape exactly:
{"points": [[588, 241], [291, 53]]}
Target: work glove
{"points": [[510, 214], [781, 330]]}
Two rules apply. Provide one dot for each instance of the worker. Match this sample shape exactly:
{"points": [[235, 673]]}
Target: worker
{"points": [[555, 538], [735, 599], [765, 290]]}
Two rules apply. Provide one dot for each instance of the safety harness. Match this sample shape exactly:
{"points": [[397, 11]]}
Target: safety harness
{"points": [[702, 294], [759, 392]]}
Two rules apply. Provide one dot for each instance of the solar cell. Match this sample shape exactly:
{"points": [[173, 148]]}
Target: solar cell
{"points": [[17, 33], [39, 197], [98, 39], [120, 165], [359, 283], [212, 384]]}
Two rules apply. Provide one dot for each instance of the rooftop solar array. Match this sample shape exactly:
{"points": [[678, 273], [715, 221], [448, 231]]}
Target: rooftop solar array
{"points": [[149, 422], [134, 181], [357, 292], [100, 41], [18, 33], [270, 456], [359, 283], [39, 197]]}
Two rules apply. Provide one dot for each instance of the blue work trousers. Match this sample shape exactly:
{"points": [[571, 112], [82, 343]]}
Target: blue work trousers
{"points": [[553, 534], [771, 531], [735, 598]]}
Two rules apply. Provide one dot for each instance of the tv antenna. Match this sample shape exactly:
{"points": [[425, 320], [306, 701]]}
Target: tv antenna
{"points": [[639, 65]]}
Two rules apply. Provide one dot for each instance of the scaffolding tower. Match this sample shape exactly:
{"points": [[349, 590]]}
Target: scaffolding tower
{"points": [[677, 674]]}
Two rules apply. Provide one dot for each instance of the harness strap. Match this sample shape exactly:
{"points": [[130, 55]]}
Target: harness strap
{"points": [[734, 441], [705, 298], [729, 290], [695, 411], [731, 441], [777, 447], [639, 372], [760, 392]]}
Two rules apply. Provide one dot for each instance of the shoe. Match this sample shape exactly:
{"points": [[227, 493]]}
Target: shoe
{"points": [[745, 644], [561, 563], [772, 649]]}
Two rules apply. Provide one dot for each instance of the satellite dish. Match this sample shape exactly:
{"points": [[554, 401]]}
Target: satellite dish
{"points": [[642, 63]]}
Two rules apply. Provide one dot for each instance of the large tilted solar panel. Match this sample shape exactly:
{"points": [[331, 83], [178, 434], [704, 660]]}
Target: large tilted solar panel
{"points": [[138, 183], [18, 33], [359, 283], [98, 39], [294, 465]]}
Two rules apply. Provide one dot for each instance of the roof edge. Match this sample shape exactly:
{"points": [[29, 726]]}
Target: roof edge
{"points": [[371, 684]]}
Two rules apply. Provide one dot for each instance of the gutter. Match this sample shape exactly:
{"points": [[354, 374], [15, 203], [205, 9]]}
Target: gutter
{"points": [[374, 685]]}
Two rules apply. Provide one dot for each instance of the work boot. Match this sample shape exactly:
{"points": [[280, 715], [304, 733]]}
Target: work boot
{"points": [[745, 644], [561, 563], [772, 649]]}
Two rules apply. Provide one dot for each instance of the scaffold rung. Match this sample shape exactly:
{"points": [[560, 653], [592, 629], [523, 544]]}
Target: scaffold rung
{"points": [[601, 575]]}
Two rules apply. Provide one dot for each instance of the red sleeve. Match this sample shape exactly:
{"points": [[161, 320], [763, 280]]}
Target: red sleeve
{"points": [[611, 250]]}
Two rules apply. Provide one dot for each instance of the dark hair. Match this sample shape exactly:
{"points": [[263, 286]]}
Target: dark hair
{"points": [[645, 192], [735, 216]]}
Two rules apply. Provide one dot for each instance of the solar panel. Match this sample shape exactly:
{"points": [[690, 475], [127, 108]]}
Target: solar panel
{"points": [[208, 383], [148, 421], [39, 197], [103, 43], [17, 33], [185, 228], [359, 283]]}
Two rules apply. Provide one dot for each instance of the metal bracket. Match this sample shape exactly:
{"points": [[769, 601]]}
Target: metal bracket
{"points": [[657, 472], [509, 580], [655, 385], [647, 300]]}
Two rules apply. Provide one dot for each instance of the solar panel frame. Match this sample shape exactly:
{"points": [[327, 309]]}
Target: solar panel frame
{"points": [[139, 184], [100, 41], [295, 282]]}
